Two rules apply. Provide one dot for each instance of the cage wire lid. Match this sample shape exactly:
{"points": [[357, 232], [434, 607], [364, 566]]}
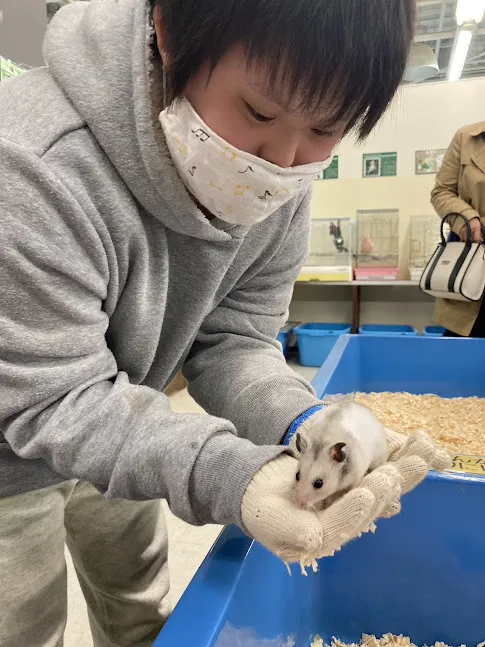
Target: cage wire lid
{"points": [[329, 238], [425, 235], [377, 238]]}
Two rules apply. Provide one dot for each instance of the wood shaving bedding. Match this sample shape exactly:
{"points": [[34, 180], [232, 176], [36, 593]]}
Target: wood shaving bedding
{"points": [[455, 423], [388, 640]]}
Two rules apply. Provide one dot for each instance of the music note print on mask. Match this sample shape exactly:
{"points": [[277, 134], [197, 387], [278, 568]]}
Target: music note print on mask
{"points": [[191, 170], [249, 168], [240, 189], [201, 134], [265, 196], [229, 153]]}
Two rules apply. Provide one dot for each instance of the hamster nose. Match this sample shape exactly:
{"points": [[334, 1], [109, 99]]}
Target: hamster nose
{"points": [[304, 505]]}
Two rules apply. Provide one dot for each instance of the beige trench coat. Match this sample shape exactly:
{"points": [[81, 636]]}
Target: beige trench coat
{"points": [[460, 188]]}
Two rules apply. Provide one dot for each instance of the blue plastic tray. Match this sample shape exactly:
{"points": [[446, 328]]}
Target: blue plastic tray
{"points": [[448, 367], [422, 574], [385, 329], [434, 331], [283, 338], [316, 340]]}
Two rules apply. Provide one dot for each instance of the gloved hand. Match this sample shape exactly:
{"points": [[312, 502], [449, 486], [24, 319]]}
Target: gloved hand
{"points": [[414, 456], [295, 535]]}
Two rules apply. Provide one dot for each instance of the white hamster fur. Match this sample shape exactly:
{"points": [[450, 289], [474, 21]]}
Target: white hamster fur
{"points": [[337, 453]]}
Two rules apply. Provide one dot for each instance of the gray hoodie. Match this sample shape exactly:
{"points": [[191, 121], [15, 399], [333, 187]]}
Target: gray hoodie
{"points": [[111, 279]]}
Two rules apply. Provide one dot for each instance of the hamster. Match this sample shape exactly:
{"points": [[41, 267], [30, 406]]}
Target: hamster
{"points": [[336, 456]]}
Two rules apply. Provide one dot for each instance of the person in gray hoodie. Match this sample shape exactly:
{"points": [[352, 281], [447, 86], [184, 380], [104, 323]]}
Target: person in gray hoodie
{"points": [[154, 214]]}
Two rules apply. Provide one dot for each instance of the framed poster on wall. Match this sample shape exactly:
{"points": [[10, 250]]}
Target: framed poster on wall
{"points": [[379, 164], [429, 161], [330, 173]]}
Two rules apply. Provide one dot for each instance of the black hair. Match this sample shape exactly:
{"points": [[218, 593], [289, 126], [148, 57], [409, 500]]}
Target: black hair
{"points": [[348, 55]]}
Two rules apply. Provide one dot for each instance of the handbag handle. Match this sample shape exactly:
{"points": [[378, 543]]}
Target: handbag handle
{"points": [[469, 239]]}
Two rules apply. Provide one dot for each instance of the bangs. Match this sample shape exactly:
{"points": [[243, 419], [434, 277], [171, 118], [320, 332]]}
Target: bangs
{"points": [[346, 58], [343, 57]]}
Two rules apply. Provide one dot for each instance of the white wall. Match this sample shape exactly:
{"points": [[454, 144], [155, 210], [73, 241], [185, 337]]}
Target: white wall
{"points": [[421, 117]]}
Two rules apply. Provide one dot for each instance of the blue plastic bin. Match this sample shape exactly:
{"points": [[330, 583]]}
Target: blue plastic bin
{"points": [[421, 574], [382, 329], [283, 337], [433, 331], [316, 340]]}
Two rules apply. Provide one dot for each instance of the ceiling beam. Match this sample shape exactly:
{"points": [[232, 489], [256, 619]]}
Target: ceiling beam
{"points": [[434, 35], [424, 38], [423, 3], [440, 28]]}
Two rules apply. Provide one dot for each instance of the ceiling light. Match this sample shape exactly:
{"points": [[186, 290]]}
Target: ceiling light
{"points": [[459, 54], [470, 11], [422, 63]]}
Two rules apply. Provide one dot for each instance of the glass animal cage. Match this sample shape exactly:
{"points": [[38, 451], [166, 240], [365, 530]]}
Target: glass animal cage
{"points": [[377, 244], [424, 237], [330, 257]]}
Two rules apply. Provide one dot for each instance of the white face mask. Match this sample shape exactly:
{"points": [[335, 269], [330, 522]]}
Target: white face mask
{"points": [[235, 186]]}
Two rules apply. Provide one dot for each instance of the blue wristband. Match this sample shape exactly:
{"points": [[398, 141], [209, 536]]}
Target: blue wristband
{"points": [[296, 424]]}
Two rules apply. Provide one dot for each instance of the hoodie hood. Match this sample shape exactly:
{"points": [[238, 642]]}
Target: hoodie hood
{"points": [[102, 55]]}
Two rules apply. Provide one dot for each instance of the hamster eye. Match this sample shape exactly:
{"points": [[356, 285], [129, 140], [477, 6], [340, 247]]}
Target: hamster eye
{"points": [[318, 484], [298, 476]]}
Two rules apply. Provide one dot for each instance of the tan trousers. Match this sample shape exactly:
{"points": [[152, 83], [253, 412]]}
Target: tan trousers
{"points": [[119, 549], [177, 384]]}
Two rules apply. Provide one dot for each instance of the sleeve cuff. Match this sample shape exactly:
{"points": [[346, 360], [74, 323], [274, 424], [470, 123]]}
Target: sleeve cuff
{"points": [[458, 223], [296, 424]]}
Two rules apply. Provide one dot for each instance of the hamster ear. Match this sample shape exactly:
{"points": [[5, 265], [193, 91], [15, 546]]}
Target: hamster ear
{"points": [[301, 443], [338, 452]]}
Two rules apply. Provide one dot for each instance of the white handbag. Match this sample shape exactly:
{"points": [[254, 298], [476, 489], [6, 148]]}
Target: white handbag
{"points": [[457, 269]]}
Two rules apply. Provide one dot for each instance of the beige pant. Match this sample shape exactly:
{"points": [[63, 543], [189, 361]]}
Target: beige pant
{"points": [[119, 549]]}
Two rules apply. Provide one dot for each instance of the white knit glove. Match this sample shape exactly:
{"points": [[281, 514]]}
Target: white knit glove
{"points": [[413, 456], [296, 535], [270, 516]]}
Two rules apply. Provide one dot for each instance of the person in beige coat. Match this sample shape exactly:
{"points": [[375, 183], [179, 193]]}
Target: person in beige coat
{"points": [[460, 188]]}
